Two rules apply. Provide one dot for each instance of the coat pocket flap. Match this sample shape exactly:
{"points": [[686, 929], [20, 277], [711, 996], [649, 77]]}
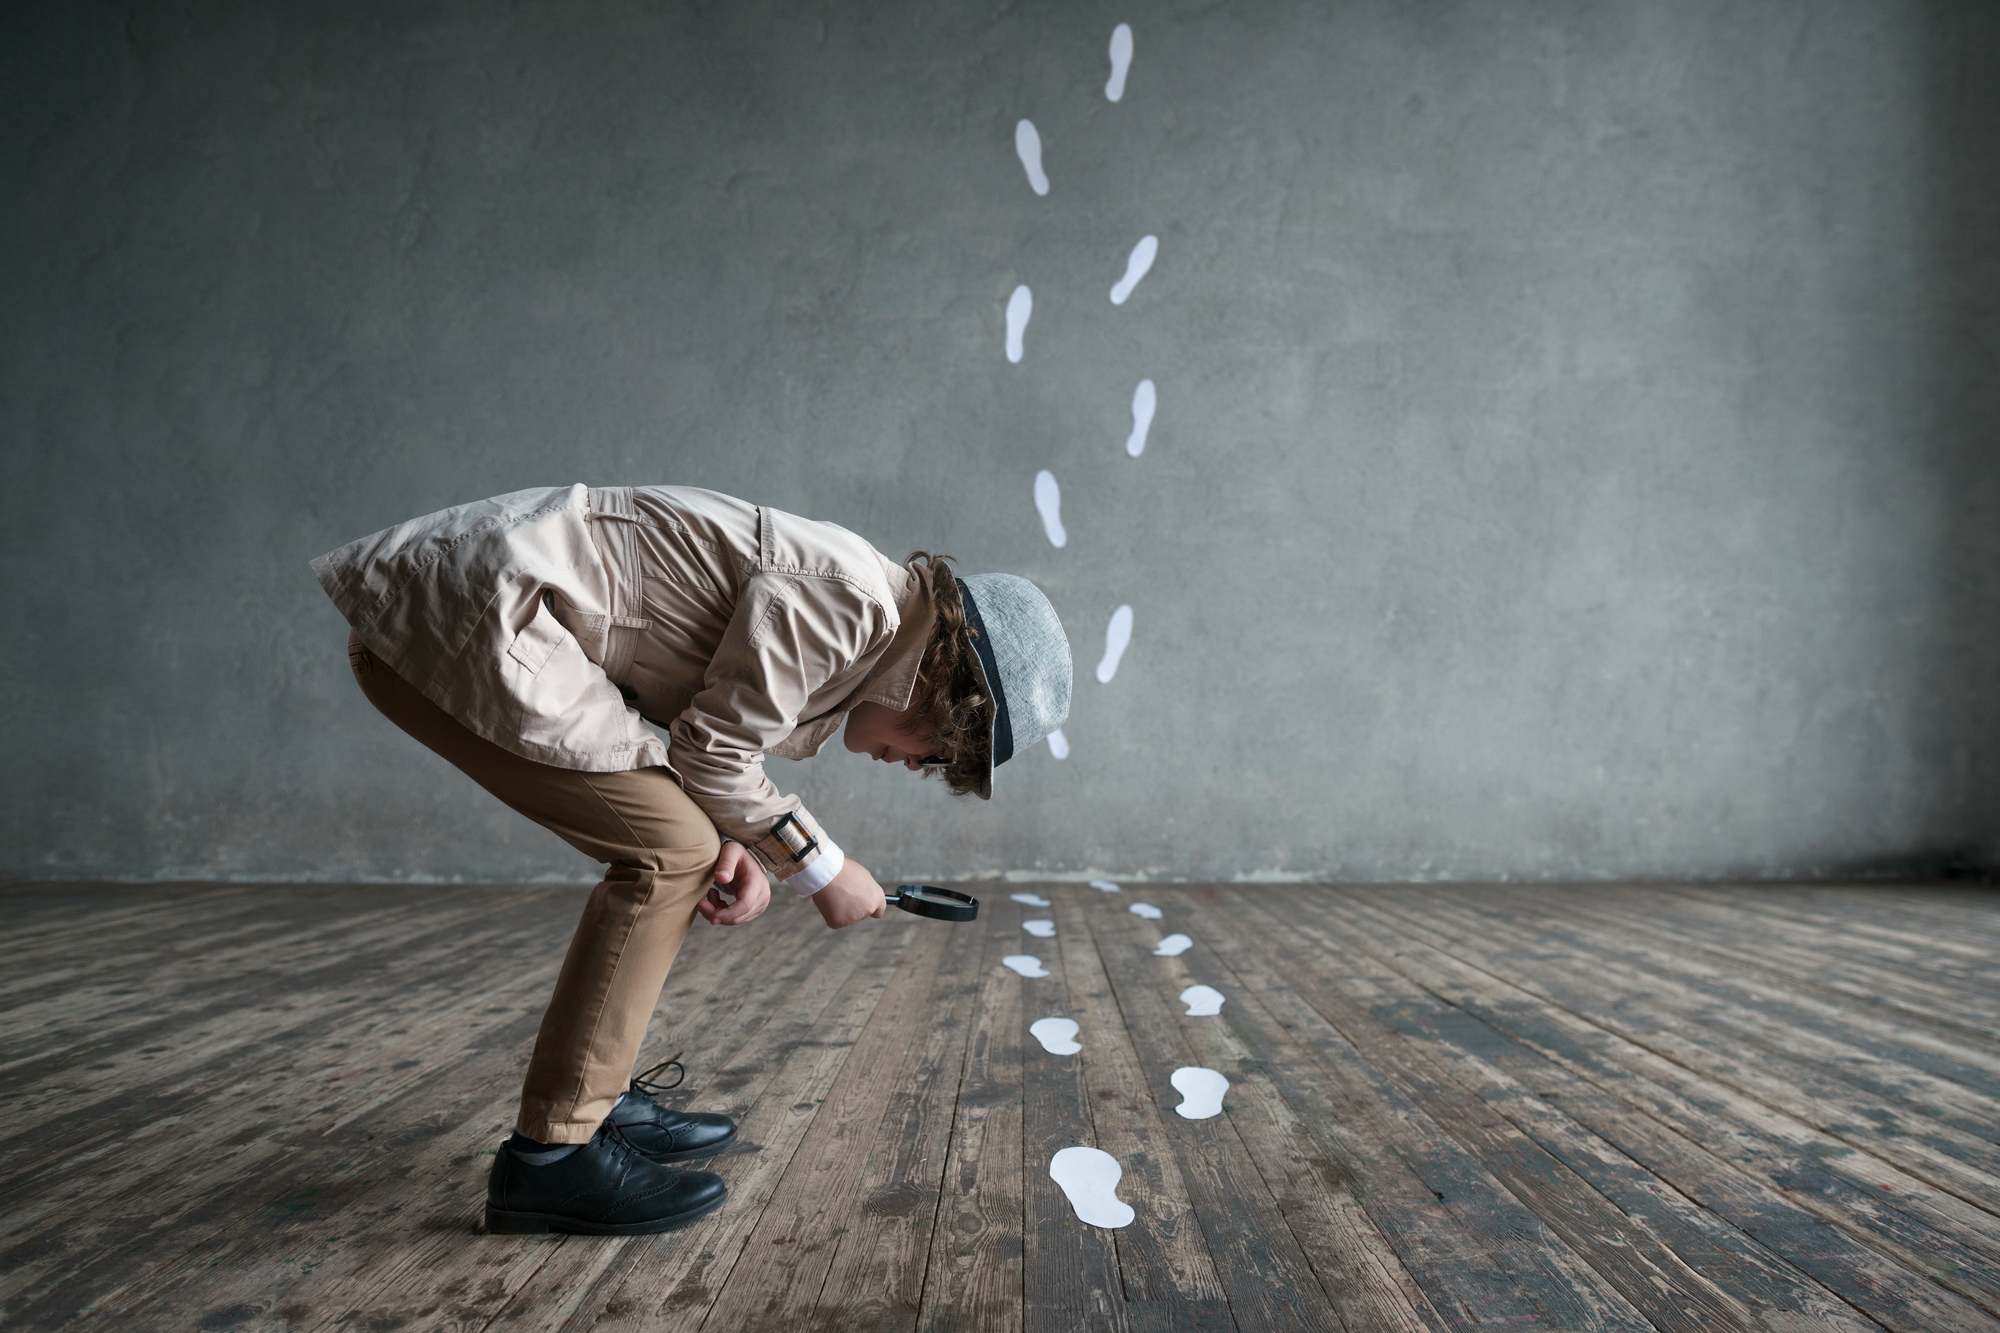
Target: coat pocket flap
{"points": [[538, 639]]}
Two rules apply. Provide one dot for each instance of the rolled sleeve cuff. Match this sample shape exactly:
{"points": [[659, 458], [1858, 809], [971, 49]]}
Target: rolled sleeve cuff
{"points": [[798, 853], [820, 873]]}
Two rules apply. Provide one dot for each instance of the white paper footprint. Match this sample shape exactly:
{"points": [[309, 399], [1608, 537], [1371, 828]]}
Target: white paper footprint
{"points": [[1173, 946], [1117, 638], [1200, 1089], [1048, 503], [1028, 143], [1144, 400], [1202, 1001], [1058, 744], [1057, 1035], [1105, 886], [1019, 306], [1031, 899], [1041, 930], [1026, 964], [1146, 910], [1089, 1177], [1136, 266], [1121, 61]]}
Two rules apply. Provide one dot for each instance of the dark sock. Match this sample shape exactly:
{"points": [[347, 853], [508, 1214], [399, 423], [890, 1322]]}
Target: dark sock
{"points": [[538, 1154]]}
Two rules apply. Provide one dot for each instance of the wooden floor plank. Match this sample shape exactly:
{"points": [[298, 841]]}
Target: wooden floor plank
{"points": [[1833, 1084], [1334, 1269], [1450, 1223], [972, 1277], [1265, 1280], [1809, 1067], [779, 1277], [1492, 1064], [1500, 1106], [876, 1278], [1618, 1094], [1155, 1273], [1387, 1026]]}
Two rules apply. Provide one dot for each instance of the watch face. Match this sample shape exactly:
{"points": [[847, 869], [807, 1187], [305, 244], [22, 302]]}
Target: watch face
{"points": [[939, 904]]}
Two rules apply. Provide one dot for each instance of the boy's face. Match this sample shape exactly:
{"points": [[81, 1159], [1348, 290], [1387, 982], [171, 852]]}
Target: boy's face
{"points": [[885, 734]]}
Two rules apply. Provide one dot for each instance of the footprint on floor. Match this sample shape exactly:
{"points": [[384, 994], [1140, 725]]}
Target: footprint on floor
{"points": [[1028, 143], [1136, 266], [1202, 1001], [1121, 61], [1089, 1177], [1105, 886], [1057, 1035], [1040, 929], [1058, 744], [1019, 306], [1031, 899], [1173, 946], [1026, 964], [1117, 638], [1200, 1089], [1144, 401], [1146, 910], [1048, 503]]}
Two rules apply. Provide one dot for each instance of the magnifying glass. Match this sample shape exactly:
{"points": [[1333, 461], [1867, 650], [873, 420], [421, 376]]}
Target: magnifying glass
{"points": [[938, 904]]}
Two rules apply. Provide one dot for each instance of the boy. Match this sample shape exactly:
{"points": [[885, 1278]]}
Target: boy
{"points": [[529, 638]]}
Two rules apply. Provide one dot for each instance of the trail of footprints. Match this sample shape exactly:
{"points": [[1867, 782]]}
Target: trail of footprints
{"points": [[1088, 1176], [1145, 397]]}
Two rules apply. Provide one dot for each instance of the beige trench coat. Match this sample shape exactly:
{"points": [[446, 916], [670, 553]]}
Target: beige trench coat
{"points": [[557, 623]]}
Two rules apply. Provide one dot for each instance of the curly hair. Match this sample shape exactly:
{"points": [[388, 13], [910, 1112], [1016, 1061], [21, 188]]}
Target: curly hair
{"points": [[951, 703]]}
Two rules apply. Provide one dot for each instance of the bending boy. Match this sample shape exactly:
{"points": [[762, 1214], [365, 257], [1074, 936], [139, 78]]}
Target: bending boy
{"points": [[530, 638]]}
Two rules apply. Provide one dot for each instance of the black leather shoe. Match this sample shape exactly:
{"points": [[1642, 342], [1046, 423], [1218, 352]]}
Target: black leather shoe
{"points": [[605, 1188], [669, 1136]]}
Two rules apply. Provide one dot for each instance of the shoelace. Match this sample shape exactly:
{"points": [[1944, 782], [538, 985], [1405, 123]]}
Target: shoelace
{"points": [[645, 1083]]}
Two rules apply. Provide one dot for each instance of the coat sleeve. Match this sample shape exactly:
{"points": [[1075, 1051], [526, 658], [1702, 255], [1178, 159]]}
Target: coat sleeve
{"points": [[789, 635]]}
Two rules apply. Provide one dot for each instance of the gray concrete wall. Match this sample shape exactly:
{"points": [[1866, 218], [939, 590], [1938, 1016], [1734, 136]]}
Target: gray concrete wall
{"points": [[1575, 452]]}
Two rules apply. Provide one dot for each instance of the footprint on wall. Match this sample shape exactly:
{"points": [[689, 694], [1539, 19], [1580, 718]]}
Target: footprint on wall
{"points": [[1145, 910], [1144, 400], [1089, 1179], [1041, 930], [1121, 61], [1026, 964], [1048, 503], [1173, 946], [1019, 307], [1117, 638], [1137, 265], [1028, 143], [1201, 1091], [1057, 1035], [1105, 886], [1031, 899], [1058, 744], [1202, 1001]]}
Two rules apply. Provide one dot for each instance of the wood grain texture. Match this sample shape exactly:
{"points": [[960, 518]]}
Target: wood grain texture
{"points": [[1616, 1107]]}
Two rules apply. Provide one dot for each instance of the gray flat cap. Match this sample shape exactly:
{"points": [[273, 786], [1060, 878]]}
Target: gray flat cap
{"points": [[1024, 655]]}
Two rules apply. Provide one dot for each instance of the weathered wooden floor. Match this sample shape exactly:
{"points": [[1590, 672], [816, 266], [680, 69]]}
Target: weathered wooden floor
{"points": [[273, 1107]]}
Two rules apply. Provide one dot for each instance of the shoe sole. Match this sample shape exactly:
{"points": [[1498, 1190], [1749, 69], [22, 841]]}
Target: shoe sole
{"points": [[539, 1224], [695, 1154]]}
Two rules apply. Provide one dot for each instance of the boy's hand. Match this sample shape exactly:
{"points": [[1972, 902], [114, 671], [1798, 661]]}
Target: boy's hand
{"points": [[737, 872], [851, 896]]}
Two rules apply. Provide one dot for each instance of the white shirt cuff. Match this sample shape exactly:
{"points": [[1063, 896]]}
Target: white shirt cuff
{"points": [[822, 870]]}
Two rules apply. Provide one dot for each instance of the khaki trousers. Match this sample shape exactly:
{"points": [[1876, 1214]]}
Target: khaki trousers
{"points": [[661, 851]]}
